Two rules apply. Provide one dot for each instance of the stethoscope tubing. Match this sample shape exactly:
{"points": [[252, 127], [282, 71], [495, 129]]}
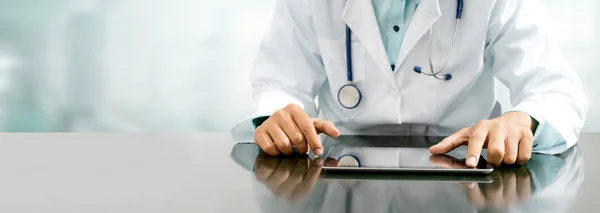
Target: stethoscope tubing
{"points": [[433, 72]]}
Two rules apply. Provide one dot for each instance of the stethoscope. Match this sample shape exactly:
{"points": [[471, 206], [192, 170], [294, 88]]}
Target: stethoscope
{"points": [[350, 96]]}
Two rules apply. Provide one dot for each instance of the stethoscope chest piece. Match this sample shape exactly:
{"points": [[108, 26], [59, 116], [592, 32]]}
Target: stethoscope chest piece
{"points": [[349, 96]]}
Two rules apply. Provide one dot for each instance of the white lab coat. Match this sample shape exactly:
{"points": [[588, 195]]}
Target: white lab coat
{"points": [[303, 57]]}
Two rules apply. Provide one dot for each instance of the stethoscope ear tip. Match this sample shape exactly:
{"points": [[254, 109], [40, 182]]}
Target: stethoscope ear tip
{"points": [[417, 69], [447, 77]]}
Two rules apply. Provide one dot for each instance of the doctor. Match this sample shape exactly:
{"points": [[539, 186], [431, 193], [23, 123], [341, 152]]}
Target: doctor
{"points": [[416, 61]]}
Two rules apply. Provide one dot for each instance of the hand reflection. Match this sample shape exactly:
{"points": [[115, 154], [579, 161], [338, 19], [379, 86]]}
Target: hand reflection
{"points": [[291, 178], [448, 162], [509, 186]]}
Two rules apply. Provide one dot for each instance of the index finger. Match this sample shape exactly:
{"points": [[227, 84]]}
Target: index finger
{"points": [[308, 130], [476, 141]]}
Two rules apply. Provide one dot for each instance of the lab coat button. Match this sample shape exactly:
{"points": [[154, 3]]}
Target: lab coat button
{"points": [[396, 28]]}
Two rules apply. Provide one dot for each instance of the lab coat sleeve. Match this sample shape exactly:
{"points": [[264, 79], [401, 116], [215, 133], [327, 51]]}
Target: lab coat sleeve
{"points": [[288, 67], [524, 56]]}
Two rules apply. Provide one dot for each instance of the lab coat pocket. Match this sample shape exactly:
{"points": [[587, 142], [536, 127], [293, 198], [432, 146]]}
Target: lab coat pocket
{"points": [[333, 53]]}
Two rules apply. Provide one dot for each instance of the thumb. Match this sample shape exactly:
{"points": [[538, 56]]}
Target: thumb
{"points": [[326, 127], [451, 142]]}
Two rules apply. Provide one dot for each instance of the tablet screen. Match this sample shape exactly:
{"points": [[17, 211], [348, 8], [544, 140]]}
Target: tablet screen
{"points": [[400, 155]]}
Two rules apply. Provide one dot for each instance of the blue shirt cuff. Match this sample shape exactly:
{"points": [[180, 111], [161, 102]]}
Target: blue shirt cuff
{"points": [[545, 136]]}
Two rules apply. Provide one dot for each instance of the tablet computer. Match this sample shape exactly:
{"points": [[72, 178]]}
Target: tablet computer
{"points": [[398, 155], [363, 176]]}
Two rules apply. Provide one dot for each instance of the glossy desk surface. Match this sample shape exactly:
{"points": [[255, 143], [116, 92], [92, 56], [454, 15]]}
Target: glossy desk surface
{"points": [[81, 172]]}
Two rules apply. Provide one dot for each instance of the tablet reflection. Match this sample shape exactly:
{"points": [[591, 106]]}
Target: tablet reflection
{"points": [[545, 183]]}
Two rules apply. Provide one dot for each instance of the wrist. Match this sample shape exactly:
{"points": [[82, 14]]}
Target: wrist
{"points": [[520, 118]]}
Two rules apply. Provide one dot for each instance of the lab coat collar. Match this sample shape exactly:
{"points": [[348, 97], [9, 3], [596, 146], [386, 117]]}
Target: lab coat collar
{"points": [[427, 13], [359, 15]]}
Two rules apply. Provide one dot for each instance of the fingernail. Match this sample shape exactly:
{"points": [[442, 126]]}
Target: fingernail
{"points": [[472, 161], [471, 185], [318, 151]]}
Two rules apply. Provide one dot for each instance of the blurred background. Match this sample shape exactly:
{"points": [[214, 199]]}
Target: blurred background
{"points": [[175, 65]]}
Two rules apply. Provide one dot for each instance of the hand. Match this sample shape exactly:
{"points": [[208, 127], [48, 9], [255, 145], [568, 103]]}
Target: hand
{"points": [[291, 128], [508, 138], [290, 178], [509, 187]]}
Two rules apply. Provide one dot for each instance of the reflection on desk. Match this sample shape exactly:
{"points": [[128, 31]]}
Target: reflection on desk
{"points": [[547, 183]]}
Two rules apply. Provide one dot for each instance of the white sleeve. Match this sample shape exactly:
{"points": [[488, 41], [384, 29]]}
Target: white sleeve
{"points": [[288, 68], [524, 56]]}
